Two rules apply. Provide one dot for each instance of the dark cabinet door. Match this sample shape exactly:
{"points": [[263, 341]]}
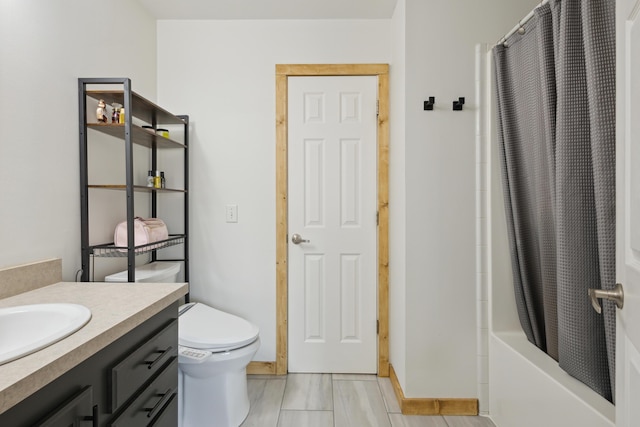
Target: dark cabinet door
{"points": [[78, 411]]}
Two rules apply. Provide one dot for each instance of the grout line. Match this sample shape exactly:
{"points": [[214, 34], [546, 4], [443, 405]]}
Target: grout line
{"points": [[284, 391], [333, 402]]}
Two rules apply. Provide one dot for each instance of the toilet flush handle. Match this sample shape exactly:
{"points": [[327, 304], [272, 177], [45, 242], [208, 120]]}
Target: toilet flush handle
{"points": [[297, 239]]}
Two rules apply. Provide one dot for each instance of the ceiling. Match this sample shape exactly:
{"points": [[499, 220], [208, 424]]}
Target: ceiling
{"points": [[270, 9]]}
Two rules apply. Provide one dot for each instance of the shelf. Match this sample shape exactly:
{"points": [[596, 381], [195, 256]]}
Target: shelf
{"points": [[122, 187], [136, 141], [112, 251], [143, 109], [140, 135]]}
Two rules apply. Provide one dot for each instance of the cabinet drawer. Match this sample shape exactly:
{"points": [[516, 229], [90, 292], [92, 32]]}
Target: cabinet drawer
{"points": [[74, 412], [155, 403], [141, 365]]}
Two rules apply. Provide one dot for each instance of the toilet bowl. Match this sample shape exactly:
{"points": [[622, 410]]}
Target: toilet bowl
{"points": [[214, 350]]}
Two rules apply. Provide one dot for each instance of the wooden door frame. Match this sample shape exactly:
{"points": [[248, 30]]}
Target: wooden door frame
{"points": [[283, 72]]}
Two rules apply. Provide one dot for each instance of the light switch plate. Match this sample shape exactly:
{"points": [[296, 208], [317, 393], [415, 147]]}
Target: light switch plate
{"points": [[232, 213]]}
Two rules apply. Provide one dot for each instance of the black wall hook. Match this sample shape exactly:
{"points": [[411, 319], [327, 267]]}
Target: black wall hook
{"points": [[457, 105], [428, 105]]}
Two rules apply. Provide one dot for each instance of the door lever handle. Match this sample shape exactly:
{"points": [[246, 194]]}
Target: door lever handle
{"points": [[616, 295], [297, 239]]}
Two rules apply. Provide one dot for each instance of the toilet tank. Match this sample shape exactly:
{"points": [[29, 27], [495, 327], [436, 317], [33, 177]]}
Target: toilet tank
{"points": [[158, 272]]}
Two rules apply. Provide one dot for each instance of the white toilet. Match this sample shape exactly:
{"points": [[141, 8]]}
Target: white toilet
{"points": [[214, 350]]}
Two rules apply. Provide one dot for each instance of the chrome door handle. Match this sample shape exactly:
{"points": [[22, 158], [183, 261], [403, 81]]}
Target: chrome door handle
{"points": [[297, 239], [616, 295]]}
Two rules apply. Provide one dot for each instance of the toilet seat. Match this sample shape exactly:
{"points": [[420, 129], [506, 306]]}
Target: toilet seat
{"points": [[203, 327]]}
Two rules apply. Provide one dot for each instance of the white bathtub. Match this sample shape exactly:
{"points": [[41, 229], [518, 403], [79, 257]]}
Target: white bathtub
{"points": [[521, 386], [528, 389]]}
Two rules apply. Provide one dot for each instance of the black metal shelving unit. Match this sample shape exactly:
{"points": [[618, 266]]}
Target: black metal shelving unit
{"points": [[152, 115]]}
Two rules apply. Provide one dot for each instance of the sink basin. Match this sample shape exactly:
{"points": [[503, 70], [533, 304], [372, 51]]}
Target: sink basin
{"points": [[28, 328]]}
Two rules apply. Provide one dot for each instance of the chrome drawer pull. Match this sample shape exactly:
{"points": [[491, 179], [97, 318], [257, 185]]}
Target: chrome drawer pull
{"points": [[160, 405], [163, 353]]}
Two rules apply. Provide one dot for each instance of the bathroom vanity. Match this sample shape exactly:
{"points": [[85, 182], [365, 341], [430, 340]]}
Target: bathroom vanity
{"points": [[120, 369]]}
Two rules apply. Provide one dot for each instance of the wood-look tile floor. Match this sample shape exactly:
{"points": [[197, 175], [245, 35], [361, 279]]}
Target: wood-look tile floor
{"points": [[335, 400]]}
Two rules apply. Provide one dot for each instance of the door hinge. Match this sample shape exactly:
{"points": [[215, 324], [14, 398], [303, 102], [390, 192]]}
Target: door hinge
{"points": [[377, 327], [377, 107], [378, 218]]}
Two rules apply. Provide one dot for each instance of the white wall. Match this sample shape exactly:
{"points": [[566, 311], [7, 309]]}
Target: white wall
{"points": [[397, 197], [440, 189], [222, 73], [46, 46]]}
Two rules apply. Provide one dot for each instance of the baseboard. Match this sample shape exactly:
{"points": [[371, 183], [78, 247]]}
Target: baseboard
{"points": [[261, 368], [383, 369], [431, 406]]}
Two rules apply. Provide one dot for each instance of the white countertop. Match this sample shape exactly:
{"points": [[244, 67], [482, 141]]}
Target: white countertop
{"points": [[116, 309]]}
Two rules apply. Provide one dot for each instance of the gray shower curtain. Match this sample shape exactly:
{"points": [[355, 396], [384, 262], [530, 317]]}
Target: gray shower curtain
{"points": [[555, 87]]}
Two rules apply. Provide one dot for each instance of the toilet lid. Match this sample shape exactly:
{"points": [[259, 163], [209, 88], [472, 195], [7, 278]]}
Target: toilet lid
{"points": [[205, 327]]}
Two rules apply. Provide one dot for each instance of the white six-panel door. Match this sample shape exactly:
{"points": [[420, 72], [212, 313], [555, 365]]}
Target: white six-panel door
{"points": [[628, 217], [332, 208]]}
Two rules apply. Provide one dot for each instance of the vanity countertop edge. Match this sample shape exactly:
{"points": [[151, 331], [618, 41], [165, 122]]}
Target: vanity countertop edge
{"points": [[116, 309]]}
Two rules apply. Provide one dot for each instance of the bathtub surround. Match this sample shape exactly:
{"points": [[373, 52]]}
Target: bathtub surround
{"points": [[483, 123], [555, 88]]}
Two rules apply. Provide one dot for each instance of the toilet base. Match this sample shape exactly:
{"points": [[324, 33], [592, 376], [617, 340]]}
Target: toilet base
{"points": [[214, 393], [218, 401]]}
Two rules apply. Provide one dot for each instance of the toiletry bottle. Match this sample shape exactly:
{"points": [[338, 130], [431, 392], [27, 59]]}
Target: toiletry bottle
{"points": [[150, 179], [121, 115], [115, 116], [157, 180], [101, 111], [162, 182]]}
